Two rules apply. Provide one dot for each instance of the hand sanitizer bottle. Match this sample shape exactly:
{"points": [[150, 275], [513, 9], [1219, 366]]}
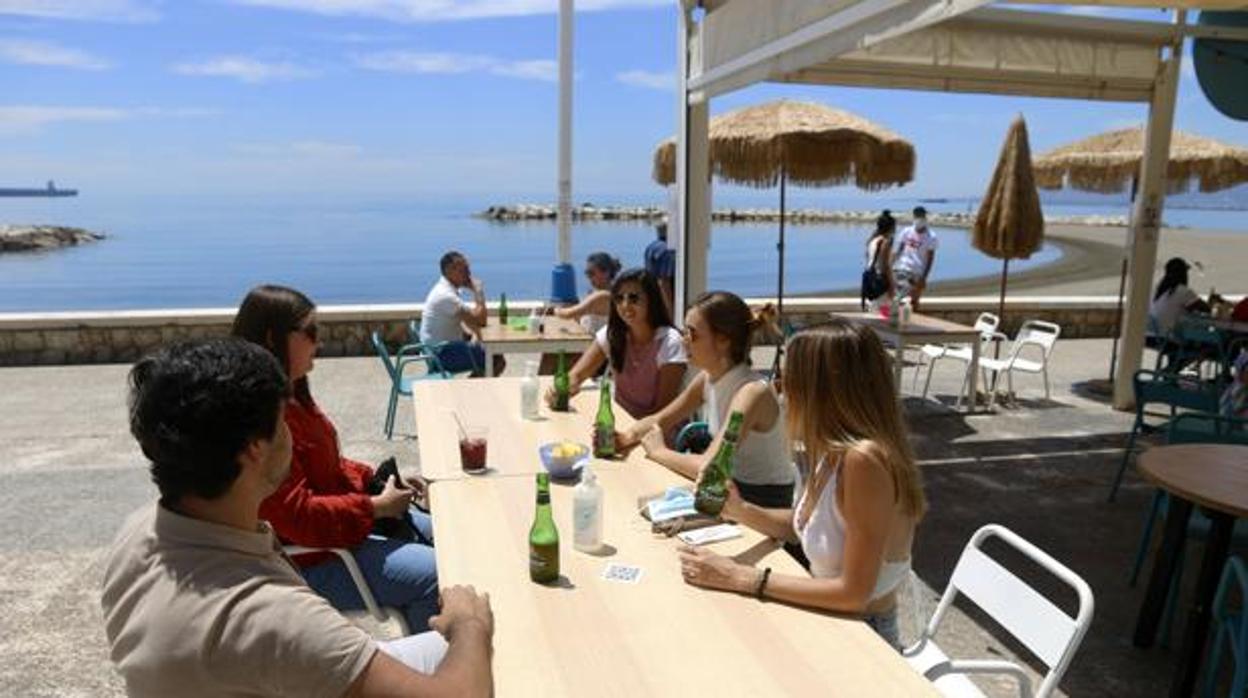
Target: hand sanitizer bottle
{"points": [[529, 389], [587, 513]]}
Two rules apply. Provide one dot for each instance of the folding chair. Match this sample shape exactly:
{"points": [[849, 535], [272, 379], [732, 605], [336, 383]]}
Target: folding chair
{"points": [[986, 323], [1036, 334], [378, 612], [1047, 631]]}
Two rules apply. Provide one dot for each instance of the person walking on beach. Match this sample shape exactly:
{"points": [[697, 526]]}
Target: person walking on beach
{"points": [[877, 276], [916, 254], [660, 261], [446, 315]]}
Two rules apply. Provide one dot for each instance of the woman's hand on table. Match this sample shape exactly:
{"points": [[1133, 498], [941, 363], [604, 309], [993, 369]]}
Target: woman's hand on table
{"points": [[652, 441], [392, 502], [625, 440], [703, 568], [734, 506], [420, 491], [573, 389]]}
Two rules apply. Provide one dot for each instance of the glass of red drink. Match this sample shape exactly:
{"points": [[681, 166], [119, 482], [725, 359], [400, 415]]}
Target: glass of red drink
{"points": [[472, 448]]}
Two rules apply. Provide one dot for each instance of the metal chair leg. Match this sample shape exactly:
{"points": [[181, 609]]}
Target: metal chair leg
{"points": [[1126, 455]]}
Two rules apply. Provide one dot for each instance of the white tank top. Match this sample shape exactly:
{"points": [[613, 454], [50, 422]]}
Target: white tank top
{"points": [[762, 458], [823, 538]]}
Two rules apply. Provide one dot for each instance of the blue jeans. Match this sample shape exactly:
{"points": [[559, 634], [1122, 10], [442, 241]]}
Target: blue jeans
{"points": [[885, 625], [457, 357], [400, 574]]}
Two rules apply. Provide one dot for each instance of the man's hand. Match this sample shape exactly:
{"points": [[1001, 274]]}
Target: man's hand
{"points": [[461, 607], [392, 502]]}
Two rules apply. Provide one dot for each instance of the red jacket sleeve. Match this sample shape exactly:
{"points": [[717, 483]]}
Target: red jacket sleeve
{"points": [[302, 517], [358, 473]]}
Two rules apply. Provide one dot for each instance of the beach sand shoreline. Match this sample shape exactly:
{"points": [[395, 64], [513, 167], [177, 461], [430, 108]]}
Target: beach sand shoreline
{"points": [[1091, 262]]}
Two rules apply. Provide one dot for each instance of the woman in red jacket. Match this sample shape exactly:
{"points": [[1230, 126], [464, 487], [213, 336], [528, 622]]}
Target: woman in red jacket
{"points": [[324, 501]]}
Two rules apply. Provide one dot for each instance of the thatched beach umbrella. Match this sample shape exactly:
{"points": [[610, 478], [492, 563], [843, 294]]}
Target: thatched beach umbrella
{"points": [[799, 142], [1110, 162], [1010, 224]]}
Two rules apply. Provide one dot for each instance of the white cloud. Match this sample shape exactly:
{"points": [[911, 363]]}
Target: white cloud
{"points": [[457, 63], [320, 150], [653, 81], [85, 10], [21, 119], [248, 70], [27, 52], [443, 10]]}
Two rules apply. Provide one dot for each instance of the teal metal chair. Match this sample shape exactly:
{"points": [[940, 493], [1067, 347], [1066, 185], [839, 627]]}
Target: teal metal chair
{"points": [[1196, 341], [1230, 629], [1152, 388], [1188, 429], [413, 340], [694, 437], [396, 367]]}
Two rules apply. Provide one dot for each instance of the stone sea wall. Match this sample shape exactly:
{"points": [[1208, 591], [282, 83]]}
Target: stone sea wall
{"points": [[33, 238], [28, 339]]}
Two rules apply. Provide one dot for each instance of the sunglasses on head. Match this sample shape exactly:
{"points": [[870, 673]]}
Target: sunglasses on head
{"points": [[310, 330], [632, 297]]}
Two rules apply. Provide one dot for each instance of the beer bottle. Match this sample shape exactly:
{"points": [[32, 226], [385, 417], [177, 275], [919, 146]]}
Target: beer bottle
{"points": [[604, 423], [562, 387], [713, 488], [502, 310], [543, 537]]}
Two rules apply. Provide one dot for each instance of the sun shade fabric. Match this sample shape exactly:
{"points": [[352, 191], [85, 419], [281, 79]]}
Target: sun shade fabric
{"points": [[1010, 224], [813, 144], [1107, 163]]}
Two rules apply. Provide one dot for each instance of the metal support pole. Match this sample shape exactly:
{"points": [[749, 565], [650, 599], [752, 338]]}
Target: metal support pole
{"points": [[1146, 219], [693, 183]]}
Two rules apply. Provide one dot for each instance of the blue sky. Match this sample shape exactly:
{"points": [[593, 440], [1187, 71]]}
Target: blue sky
{"points": [[419, 98]]}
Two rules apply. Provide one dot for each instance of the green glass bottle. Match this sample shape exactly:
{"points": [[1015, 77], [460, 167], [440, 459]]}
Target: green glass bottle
{"points": [[562, 384], [502, 310], [604, 423], [713, 488], [543, 537]]}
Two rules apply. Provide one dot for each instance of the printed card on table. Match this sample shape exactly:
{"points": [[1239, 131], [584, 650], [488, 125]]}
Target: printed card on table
{"points": [[616, 572]]}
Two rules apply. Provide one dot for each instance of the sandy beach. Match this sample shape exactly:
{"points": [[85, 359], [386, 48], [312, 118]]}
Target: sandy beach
{"points": [[1091, 262]]}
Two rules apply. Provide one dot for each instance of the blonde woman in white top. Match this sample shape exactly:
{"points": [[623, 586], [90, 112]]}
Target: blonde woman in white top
{"points": [[860, 498], [718, 328]]}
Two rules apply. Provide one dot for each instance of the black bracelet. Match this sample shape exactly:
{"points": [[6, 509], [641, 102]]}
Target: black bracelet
{"points": [[762, 584]]}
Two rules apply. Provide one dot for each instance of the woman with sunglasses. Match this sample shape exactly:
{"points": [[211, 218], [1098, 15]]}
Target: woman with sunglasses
{"points": [[644, 350], [592, 311], [324, 502], [859, 493], [718, 329]]}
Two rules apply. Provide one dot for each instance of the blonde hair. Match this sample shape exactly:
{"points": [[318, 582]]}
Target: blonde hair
{"points": [[840, 395]]}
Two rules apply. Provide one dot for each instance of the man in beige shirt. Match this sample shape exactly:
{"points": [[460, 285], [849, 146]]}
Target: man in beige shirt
{"points": [[199, 599]]}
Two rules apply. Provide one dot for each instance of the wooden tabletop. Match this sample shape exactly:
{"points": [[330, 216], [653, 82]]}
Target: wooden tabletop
{"points": [[1208, 475], [495, 403], [658, 636], [919, 324], [555, 328]]}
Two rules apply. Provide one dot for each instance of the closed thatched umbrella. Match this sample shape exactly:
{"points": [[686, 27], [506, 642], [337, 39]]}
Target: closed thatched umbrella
{"points": [[1010, 224], [799, 142], [1110, 162]]}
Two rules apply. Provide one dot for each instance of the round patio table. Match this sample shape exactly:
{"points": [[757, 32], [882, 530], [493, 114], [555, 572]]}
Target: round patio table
{"points": [[1215, 478]]}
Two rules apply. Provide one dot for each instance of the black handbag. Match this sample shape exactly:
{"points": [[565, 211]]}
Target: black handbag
{"points": [[401, 528]]}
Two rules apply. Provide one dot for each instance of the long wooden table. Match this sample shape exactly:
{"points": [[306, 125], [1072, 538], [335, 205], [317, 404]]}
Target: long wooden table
{"points": [[923, 329], [659, 636], [558, 335]]}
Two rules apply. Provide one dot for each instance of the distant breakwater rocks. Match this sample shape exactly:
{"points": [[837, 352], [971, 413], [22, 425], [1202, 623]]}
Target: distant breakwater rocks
{"points": [[654, 214], [33, 238]]}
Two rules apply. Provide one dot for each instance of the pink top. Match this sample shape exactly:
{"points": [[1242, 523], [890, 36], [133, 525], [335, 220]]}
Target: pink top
{"points": [[637, 382]]}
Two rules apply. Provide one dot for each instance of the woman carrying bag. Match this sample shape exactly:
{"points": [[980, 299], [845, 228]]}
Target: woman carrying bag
{"points": [[877, 277]]}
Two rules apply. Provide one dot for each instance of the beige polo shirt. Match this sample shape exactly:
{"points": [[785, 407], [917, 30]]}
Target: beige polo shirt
{"points": [[193, 608]]}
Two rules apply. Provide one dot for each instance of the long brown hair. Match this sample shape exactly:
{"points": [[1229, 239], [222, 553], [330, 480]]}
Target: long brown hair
{"points": [[266, 317], [729, 317], [841, 397], [617, 329]]}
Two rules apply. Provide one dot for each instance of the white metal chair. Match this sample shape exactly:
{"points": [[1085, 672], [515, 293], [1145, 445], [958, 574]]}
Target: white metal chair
{"points": [[986, 323], [380, 613], [1039, 335], [1047, 631]]}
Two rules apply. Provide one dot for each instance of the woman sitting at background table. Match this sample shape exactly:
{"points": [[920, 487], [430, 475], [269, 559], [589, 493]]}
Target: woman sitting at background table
{"points": [[323, 502], [861, 495], [718, 330], [645, 352], [592, 311]]}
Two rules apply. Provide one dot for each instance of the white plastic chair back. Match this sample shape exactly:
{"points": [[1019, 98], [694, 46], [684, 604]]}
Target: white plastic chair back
{"points": [[1046, 630], [374, 609], [987, 324], [1038, 333]]}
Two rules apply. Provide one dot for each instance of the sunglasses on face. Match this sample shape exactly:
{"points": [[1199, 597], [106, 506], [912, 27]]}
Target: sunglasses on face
{"points": [[310, 330], [631, 297]]}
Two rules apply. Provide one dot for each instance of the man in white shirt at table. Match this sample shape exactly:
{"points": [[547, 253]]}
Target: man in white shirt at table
{"points": [[916, 254], [198, 597], [446, 315]]}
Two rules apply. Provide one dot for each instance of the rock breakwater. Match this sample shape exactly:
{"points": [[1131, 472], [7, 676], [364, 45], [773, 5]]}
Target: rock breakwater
{"points": [[31, 238]]}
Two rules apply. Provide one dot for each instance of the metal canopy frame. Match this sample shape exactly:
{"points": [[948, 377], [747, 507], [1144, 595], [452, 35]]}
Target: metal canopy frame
{"points": [[846, 43]]}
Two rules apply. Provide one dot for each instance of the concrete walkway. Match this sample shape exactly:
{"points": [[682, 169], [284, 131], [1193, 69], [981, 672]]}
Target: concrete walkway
{"points": [[70, 473]]}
